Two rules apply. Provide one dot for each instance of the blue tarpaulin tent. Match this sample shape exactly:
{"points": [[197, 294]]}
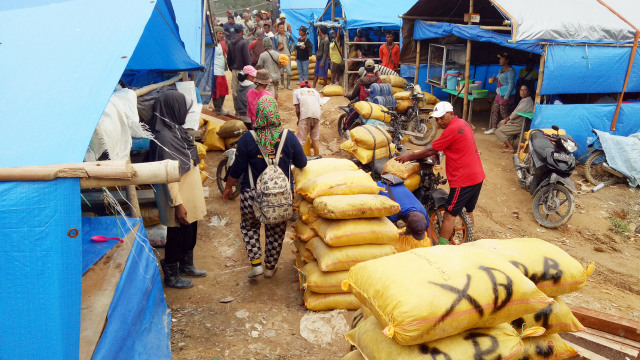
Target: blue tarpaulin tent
{"points": [[70, 54], [302, 13], [189, 20], [369, 13]]}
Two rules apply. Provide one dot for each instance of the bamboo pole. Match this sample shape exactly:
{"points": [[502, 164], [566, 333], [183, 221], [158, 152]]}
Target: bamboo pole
{"points": [[626, 80], [159, 172], [415, 78], [149, 88], [110, 169], [134, 204], [467, 70], [333, 11], [345, 51], [543, 60]]}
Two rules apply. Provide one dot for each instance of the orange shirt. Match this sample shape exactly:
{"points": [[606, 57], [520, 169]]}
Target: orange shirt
{"points": [[390, 59]]}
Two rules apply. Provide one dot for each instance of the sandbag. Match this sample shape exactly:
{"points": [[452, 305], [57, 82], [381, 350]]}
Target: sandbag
{"points": [[202, 165], [401, 170], [370, 136], [229, 142], [231, 128], [202, 150], [305, 254], [339, 183], [358, 318], [333, 90], [403, 105], [429, 293], [402, 95], [499, 342], [323, 302], [430, 99], [354, 355], [354, 206], [552, 269], [356, 231], [344, 257], [365, 156], [547, 347], [555, 318], [211, 139], [307, 213], [322, 282], [369, 110], [303, 231], [412, 182], [394, 80], [320, 167], [312, 59], [395, 90]]}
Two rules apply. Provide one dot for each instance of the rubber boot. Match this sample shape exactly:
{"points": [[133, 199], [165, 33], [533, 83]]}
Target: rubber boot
{"points": [[218, 106], [289, 82], [187, 268], [172, 277]]}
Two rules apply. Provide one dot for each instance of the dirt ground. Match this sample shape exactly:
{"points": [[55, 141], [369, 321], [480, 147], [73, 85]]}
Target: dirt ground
{"points": [[228, 316]]}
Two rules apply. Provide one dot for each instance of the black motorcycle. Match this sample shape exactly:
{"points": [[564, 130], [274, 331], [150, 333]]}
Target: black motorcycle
{"points": [[544, 165]]}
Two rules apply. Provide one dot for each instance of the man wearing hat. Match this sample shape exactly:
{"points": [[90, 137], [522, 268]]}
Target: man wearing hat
{"points": [[361, 88], [463, 167], [219, 87], [285, 45], [269, 60], [283, 20], [248, 25], [304, 48], [307, 103], [237, 57], [256, 48]]}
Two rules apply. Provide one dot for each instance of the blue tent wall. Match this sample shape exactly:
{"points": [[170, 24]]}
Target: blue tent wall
{"points": [[189, 19], [301, 13], [41, 267], [371, 13]]}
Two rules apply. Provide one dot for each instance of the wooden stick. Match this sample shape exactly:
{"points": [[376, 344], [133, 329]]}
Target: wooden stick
{"points": [[159, 172], [612, 324], [467, 70], [415, 78], [626, 80], [149, 88], [111, 169], [543, 60], [132, 197]]}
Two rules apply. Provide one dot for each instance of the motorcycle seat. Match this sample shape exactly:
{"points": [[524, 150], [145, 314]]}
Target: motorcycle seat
{"points": [[540, 143]]}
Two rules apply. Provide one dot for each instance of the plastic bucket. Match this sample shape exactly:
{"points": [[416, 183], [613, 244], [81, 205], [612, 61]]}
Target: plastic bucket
{"points": [[452, 79]]}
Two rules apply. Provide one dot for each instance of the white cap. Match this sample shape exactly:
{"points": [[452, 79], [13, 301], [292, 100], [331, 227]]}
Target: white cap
{"points": [[441, 108], [282, 15]]}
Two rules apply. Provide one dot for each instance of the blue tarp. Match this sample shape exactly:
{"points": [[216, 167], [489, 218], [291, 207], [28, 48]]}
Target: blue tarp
{"points": [[189, 20], [108, 226], [371, 13], [423, 30], [579, 120], [301, 13], [41, 268], [589, 69], [139, 320], [622, 153]]}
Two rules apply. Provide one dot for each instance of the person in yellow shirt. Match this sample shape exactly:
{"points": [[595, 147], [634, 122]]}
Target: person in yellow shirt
{"points": [[335, 54]]}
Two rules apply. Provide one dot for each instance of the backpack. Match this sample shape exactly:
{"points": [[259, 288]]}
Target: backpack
{"points": [[273, 202]]}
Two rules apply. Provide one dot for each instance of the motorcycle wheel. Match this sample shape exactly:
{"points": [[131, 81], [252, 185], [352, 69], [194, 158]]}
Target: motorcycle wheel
{"points": [[462, 228], [421, 121], [553, 206], [342, 126], [221, 173], [595, 173]]}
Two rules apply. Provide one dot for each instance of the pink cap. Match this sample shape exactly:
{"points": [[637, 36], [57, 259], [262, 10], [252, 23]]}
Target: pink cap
{"points": [[250, 70]]}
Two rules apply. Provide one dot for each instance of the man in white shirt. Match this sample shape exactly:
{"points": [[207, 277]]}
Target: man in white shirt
{"points": [[307, 103]]}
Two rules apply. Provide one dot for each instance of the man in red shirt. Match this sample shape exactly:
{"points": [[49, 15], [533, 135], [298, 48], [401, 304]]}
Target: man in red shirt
{"points": [[464, 168], [390, 53]]}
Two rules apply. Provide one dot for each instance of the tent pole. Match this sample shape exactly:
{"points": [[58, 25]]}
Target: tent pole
{"points": [[333, 10], [204, 26], [467, 70], [626, 80], [346, 46], [543, 60], [415, 79], [325, 10]]}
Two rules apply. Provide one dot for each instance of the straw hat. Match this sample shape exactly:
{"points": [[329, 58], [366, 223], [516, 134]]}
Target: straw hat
{"points": [[262, 77]]}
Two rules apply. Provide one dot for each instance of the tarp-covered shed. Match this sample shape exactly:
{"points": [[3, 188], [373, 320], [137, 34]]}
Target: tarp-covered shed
{"points": [[368, 13]]}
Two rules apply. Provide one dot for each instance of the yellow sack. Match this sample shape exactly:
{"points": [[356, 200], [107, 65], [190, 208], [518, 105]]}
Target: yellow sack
{"points": [[323, 302], [211, 139], [394, 80], [307, 213], [303, 231], [370, 136], [403, 105], [402, 95], [552, 269], [369, 110], [333, 90], [412, 182], [202, 150], [339, 183], [366, 156], [320, 167], [430, 99], [202, 165], [356, 231], [354, 355], [322, 282], [403, 171], [231, 140], [429, 293], [305, 254], [344, 257], [312, 59], [204, 176], [201, 123], [406, 242], [294, 63], [547, 347], [556, 318], [150, 216], [354, 206], [231, 128], [498, 342], [395, 90]]}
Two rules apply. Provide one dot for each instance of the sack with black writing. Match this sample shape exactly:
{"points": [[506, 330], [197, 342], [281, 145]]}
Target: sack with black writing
{"points": [[555, 318]]}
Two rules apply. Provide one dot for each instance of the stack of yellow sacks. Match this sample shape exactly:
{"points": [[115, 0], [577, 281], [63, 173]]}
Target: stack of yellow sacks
{"points": [[403, 100], [490, 299], [294, 67], [367, 141], [220, 134], [397, 82], [342, 223]]}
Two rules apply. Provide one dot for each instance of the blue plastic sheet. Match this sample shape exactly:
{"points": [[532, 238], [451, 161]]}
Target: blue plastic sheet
{"points": [[41, 267], [579, 120], [585, 69], [189, 20], [109, 226], [623, 154], [370, 13]]}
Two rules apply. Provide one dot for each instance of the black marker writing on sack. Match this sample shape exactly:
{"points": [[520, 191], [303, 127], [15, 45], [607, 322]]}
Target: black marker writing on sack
{"points": [[462, 294], [507, 286], [483, 353], [542, 316], [435, 353], [544, 351], [550, 271]]}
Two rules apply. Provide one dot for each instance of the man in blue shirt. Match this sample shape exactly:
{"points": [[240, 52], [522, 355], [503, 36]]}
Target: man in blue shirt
{"points": [[411, 210]]}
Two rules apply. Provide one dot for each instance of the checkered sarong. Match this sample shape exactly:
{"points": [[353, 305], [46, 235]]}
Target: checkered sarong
{"points": [[250, 229]]}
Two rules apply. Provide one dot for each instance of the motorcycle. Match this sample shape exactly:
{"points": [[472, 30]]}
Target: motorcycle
{"points": [[543, 165], [597, 169]]}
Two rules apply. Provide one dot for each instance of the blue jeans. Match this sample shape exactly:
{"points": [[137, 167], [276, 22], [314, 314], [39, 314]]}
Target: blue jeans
{"points": [[303, 70]]}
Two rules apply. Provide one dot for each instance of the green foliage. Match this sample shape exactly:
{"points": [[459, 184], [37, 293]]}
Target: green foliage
{"points": [[620, 226]]}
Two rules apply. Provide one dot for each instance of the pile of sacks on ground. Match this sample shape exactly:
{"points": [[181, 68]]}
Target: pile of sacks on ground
{"points": [[294, 67], [342, 222], [490, 299]]}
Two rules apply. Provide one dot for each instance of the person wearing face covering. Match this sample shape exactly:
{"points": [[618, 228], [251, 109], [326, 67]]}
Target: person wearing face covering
{"points": [[181, 204]]}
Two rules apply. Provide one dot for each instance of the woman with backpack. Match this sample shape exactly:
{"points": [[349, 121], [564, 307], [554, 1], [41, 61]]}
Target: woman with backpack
{"points": [[271, 150]]}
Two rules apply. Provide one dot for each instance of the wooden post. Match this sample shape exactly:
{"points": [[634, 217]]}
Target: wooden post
{"points": [[626, 80], [132, 198], [347, 45], [467, 70], [333, 10], [415, 79], [543, 59]]}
